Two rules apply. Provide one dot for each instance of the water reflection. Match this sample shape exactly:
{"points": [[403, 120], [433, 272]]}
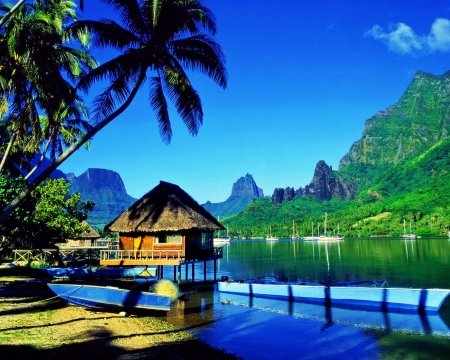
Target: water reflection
{"points": [[257, 328]]}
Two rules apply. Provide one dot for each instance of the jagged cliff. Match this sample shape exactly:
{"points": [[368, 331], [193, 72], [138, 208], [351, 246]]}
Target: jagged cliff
{"points": [[325, 185], [245, 187], [244, 190], [106, 189], [414, 124]]}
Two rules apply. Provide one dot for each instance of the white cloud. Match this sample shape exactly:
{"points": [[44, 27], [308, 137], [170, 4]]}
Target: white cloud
{"points": [[439, 38], [401, 38]]}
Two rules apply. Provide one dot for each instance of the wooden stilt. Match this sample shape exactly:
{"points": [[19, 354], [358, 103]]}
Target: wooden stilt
{"points": [[204, 271], [215, 269], [193, 272], [174, 273], [186, 271], [179, 274]]}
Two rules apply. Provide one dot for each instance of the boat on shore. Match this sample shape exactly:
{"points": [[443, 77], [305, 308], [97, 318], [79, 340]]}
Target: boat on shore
{"points": [[101, 272], [371, 293], [105, 297]]}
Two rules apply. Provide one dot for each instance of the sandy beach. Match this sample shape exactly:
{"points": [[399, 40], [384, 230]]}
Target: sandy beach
{"points": [[34, 324]]}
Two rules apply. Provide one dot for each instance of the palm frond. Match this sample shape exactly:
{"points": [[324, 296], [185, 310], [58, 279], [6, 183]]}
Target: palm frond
{"points": [[185, 98], [130, 14], [105, 33], [159, 105], [202, 53]]}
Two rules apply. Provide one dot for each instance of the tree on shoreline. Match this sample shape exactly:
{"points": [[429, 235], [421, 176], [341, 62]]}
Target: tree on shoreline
{"points": [[49, 215], [163, 37]]}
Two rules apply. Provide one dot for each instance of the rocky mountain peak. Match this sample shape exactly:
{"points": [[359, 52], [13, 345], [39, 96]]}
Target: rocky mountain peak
{"points": [[243, 192], [106, 189], [325, 185], [245, 186]]}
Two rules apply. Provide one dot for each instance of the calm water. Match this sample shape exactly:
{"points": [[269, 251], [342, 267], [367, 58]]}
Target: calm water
{"points": [[269, 329]]}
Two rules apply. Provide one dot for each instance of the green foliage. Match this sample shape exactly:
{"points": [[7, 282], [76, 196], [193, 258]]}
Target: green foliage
{"points": [[49, 215], [415, 189]]}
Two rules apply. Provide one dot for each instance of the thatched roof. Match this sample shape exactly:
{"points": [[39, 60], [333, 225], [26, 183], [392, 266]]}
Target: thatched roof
{"points": [[166, 208], [91, 233]]}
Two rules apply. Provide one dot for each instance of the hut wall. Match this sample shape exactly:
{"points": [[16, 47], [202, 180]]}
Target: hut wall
{"points": [[136, 242], [126, 243]]}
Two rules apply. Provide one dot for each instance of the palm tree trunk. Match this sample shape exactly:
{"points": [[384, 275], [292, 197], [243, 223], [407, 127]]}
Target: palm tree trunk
{"points": [[10, 12], [8, 209], [5, 155], [41, 159]]}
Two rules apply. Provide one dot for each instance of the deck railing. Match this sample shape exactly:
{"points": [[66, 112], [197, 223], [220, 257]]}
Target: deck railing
{"points": [[34, 254], [83, 246], [140, 255]]}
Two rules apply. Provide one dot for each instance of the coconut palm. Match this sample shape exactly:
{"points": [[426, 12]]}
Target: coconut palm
{"points": [[9, 11], [161, 37], [37, 69]]}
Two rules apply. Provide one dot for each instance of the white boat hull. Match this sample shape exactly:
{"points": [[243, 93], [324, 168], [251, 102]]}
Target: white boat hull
{"points": [[374, 297]]}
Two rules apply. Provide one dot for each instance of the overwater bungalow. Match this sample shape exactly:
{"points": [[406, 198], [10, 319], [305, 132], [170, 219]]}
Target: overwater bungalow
{"points": [[165, 227]]}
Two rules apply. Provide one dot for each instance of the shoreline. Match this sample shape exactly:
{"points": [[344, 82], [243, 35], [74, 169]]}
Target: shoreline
{"points": [[35, 323]]}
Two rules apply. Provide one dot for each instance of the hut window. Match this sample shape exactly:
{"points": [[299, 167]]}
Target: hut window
{"points": [[207, 240], [168, 239], [174, 239]]}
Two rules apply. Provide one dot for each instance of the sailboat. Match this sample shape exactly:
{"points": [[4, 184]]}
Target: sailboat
{"points": [[312, 237], [294, 237], [270, 237], [221, 239], [325, 236], [411, 235]]}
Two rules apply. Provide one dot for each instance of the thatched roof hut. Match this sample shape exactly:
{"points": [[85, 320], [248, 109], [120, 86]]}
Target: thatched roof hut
{"points": [[166, 208], [91, 234]]}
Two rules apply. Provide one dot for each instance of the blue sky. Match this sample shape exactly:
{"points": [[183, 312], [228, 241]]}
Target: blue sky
{"points": [[303, 77]]}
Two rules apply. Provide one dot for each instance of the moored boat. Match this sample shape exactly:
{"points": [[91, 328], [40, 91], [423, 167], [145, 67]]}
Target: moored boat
{"points": [[101, 297], [270, 237], [411, 235], [360, 293]]}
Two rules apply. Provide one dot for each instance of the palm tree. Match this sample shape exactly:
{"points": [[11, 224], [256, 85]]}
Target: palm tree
{"points": [[37, 69], [10, 10], [162, 37]]}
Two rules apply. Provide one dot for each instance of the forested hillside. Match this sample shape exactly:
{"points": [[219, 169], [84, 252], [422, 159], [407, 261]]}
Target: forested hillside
{"points": [[401, 166]]}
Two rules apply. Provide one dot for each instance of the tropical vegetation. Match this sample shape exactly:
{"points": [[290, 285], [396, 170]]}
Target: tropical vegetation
{"points": [[46, 62], [49, 216], [414, 191]]}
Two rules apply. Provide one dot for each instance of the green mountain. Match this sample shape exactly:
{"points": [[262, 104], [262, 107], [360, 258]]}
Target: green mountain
{"points": [[418, 121], [399, 169], [106, 189]]}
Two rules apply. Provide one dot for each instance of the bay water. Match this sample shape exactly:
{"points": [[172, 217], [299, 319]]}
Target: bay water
{"points": [[255, 328]]}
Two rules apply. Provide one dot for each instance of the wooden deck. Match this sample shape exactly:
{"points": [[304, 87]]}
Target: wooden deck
{"points": [[150, 257], [114, 257]]}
